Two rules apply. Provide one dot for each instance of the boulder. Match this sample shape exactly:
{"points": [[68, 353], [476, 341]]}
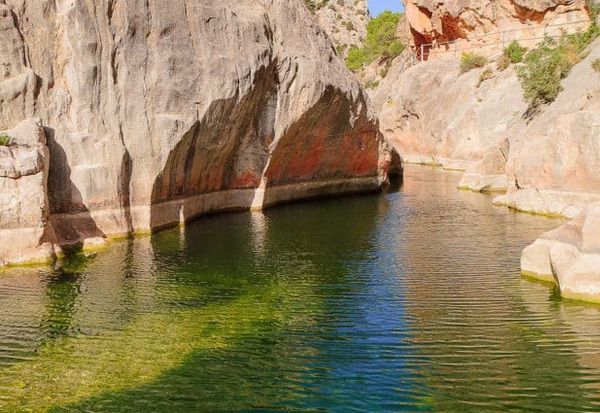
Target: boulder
{"points": [[24, 209], [570, 256]]}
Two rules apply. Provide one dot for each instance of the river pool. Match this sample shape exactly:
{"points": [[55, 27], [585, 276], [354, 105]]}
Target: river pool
{"points": [[408, 301]]}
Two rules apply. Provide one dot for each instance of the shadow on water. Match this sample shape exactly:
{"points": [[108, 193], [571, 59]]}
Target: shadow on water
{"points": [[291, 267]]}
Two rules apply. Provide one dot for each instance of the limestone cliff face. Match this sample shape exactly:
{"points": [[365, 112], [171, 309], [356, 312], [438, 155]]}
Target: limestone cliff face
{"points": [[24, 214], [548, 165], [434, 114], [345, 21], [158, 111], [475, 22]]}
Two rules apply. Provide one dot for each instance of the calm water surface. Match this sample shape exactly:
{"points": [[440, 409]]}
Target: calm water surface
{"points": [[410, 301]]}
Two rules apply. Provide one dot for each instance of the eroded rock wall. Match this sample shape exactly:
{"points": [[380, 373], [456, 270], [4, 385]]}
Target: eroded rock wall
{"points": [[488, 24], [158, 111], [554, 161], [434, 114], [345, 21]]}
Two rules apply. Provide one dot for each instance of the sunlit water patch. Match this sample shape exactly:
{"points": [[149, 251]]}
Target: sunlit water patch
{"points": [[410, 301]]}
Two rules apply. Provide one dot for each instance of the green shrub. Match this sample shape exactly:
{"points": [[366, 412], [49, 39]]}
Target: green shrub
{"points": [[371, 84], [547, 65], [4, 140], [470, 61], [596, 65], [356, 59], [514, 52], [487, 74], [380, 43], [395, 48], [503, 63]]}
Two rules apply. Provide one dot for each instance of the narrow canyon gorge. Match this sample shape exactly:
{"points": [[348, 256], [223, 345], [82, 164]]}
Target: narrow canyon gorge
{"points": [[122, 117], [156, 252]]}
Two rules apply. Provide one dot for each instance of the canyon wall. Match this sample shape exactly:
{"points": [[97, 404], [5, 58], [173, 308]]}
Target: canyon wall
{"points": [[157, 111], [434, 114], [443, 27], [345, 21], [477, 121]]}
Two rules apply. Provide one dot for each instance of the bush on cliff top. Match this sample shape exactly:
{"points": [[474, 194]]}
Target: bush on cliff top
{"points": [[4, 140], [470, 61], [546, 66], [380, 43]]}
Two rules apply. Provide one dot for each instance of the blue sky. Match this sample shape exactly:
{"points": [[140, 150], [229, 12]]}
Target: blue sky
{"points": [[377, 6]]}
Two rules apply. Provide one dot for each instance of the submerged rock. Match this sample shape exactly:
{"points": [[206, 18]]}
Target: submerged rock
{"points": [[159, 111]]}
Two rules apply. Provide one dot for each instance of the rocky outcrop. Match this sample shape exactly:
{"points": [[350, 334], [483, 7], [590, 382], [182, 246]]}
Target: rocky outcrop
{"points": [[24, 209], [569, 256], [158, 111], [443, 27], [434, 114], [345, 21], [554, 160]]}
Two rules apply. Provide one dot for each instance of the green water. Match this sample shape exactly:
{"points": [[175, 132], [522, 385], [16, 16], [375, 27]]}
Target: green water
{"points": [[409, 301]]}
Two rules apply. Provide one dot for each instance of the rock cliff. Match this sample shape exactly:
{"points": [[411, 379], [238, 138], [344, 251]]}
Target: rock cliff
{"points": [[434, 114], [445, 26], [24, 213], [158, 111], [554, 160], [478, 121], [345, 21]]}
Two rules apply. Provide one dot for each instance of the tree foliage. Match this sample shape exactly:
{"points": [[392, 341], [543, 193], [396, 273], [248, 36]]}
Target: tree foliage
{"points": [[381, 42]]}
